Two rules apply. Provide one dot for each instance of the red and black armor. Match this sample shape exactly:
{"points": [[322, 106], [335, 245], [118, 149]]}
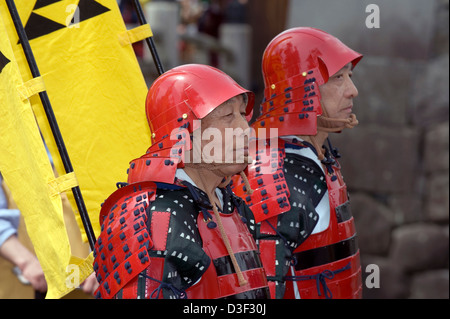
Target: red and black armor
{"points": [[326, 264], [161, 241], [279, 233], [160, 237], [295, 64]]}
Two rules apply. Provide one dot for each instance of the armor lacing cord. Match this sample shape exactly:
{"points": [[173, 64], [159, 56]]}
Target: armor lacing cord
{"points": [[321, 279], [248, 188], [180, 294], [328, 161], [318, 148], [236, 204], [225, 182], [244, 177], [333, 150], [207, 217]]}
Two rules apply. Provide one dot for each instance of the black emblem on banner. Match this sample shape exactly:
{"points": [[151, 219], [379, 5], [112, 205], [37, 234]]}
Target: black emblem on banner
{"points": [[38, 25]]}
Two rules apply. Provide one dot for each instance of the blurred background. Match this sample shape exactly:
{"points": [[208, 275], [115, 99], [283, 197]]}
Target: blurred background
{"points": [[396, 161]]}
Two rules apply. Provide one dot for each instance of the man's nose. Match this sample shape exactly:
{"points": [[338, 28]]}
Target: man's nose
{"points": [[351, 90], [241, 122]]}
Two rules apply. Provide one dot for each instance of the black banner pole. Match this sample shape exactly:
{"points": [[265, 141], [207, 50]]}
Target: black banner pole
{"points": [[52, 121], [150, 42]]}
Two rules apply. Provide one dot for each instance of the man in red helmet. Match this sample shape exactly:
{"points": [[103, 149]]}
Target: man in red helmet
{"points": [[308, 94], [176, 230]]}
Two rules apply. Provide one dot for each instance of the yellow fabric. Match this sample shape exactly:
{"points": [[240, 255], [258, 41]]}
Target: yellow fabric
{"points": [[96, 89], [11, 287], [62, 184], [135, 35], [97, 92], [31, 88], [83, 265], [26, 169]]}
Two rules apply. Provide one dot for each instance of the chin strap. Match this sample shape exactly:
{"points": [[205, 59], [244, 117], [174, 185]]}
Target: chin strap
{"points": [[246, 183], [322, 126], [351, 122]]}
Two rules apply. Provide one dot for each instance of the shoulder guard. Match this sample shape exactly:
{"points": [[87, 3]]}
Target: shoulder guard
{"points": [[160, 162], [266, 177], [121, 251], [155, 169]]}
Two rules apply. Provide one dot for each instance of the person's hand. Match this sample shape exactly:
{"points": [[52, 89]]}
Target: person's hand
{"points": [[90, 284], [32, 271], [28, 264]]}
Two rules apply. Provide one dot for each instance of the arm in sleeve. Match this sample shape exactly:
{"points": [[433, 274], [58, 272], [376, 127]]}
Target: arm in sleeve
{"points": [[9, 223]]}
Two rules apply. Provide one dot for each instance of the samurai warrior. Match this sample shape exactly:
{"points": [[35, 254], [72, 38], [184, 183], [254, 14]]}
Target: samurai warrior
{"points": [[175, 229], [296, 178]]}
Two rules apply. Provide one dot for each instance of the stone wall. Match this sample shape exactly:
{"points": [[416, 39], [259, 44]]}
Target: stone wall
{"points": [[396, 161]]}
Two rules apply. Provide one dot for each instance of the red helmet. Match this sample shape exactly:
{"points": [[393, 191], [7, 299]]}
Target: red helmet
{"points": [[295, 64], [186, 93], [177, 98]]}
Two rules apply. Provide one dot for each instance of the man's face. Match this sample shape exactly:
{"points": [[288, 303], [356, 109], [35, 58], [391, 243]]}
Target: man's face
{"points": [[338, 93], [224, 139]]}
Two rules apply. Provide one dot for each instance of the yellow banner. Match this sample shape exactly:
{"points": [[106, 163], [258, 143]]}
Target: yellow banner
{"points": [[26, 168], [95, 86]]}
